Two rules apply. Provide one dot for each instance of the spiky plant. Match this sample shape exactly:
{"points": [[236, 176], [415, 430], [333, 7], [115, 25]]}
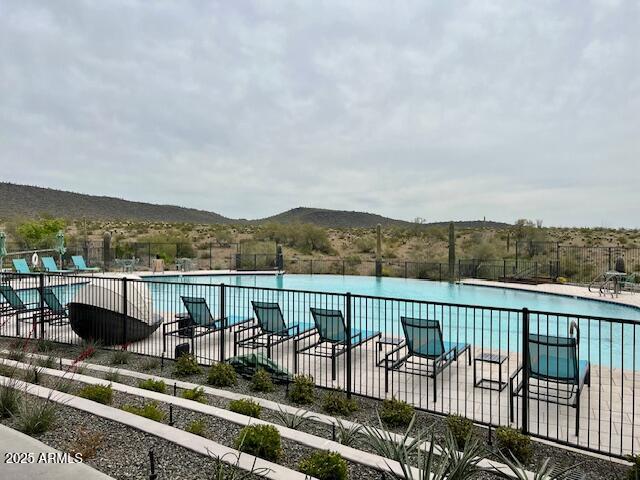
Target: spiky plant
{"points": [[294, 420], [388, 445], [546, 471], [347, 435]]}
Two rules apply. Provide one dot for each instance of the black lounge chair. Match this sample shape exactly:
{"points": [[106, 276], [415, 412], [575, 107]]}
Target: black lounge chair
{"points": [[425, 351], [555, 373], [332, 332], [270, 330]]}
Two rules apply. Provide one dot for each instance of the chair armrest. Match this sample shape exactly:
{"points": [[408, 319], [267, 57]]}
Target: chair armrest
{"points": [[310, 333], [395, 350], [358, 334], [515, 374]]}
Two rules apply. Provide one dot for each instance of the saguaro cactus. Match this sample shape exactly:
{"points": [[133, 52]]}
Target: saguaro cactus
{"points": [[378, 250], [452, 252]]}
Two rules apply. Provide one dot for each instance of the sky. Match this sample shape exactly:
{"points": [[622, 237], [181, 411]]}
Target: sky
{"points": [[435, 109]]}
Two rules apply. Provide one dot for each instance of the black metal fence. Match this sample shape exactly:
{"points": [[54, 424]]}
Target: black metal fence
{"points": [[482, 362]]}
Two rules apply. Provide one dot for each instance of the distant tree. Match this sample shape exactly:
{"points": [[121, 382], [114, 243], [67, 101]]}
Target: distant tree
{"points": [[39, 233]]}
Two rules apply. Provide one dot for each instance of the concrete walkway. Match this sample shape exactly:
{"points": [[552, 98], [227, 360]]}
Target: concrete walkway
{"points": [[38, 460]]}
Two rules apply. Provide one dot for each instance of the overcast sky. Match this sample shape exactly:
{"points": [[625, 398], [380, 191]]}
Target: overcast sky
{"points": [[438, 109]]}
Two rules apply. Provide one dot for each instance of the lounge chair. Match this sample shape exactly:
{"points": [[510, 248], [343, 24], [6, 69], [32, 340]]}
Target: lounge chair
{"points": [[555, 373], [423, 351], [198, 321], [332, 332], [80, 265], [270, 330], [50, 266], [21, 265], [53, 312]]}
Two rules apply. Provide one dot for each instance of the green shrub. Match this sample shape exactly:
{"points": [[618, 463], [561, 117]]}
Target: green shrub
{"points": [[149, 410], [222, 375], [16, 355], [246, 407], [44, 345], [261, 381], [120, 357], [112, 376], [98, 393], [9, 399], [634, 471], [36, 416], [396, 413], [196, 394], [461, 428], [325, 465], [149, 363], [261, 441], [154, 385], [197, 427], [186, 365], [336, 403], [302, 390], [513, 441], [32, 375]]}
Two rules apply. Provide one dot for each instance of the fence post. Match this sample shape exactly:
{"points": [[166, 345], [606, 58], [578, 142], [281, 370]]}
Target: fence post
{"points": [[609, 259], [149, 253], [125, 313], [348, 319], [41, 294], [343, 270], [223, 321], [210, 257], [525, 371], [405, 269], [311, 266]]}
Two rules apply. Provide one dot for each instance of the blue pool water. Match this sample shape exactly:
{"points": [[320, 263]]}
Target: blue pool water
{"points": [[419, 290], [601, 342]]}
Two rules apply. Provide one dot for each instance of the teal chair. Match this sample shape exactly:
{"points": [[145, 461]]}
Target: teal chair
{"points": [[198, 321], [56, 313], [80, 265], [332, 336], [423, 351], [13, 303], [21, 265], [555, 373], [271, 329], [50, 266]]}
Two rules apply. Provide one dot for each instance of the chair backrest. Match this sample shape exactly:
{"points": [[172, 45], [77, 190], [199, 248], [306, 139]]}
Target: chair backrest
{"points": [[21, 266], [12, 297], [198, 310], [78, 261], [553, 358], [269, 316], [330, 324], [51, 300], [49, 264], [424, 337]]}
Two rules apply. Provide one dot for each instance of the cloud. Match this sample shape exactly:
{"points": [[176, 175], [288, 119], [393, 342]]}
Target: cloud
{"points": [[434, 109]]}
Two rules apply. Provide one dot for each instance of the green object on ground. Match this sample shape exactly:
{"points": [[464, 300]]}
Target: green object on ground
{"points": [[247, 365]]}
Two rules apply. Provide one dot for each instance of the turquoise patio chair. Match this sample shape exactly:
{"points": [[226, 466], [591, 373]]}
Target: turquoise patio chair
{"points": [[271, 329], [80, 265], [425, 351], [332, 332], [555, 373], [21, 265], [198, 321], [50, 266], [57, 313]]}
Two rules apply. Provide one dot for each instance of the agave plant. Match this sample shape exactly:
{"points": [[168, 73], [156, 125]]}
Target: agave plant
{"points": [[294, 420], [230, 470], [347, 435], [386, 443], [546, 471], [449, 464]]}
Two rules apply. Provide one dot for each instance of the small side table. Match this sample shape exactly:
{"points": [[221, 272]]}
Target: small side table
{"points": [[488, 383]]}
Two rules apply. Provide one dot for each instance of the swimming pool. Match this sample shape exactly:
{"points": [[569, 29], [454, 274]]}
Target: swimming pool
{"points": [[411, 289], [488, 318]]}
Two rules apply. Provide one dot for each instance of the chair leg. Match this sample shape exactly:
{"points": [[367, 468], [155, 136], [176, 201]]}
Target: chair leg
{"points": [[435, 388], [469, 356], [333, 362], [578, 416]]}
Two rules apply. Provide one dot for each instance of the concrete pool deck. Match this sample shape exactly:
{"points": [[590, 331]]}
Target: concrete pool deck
{"points": [[631, 299]]}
